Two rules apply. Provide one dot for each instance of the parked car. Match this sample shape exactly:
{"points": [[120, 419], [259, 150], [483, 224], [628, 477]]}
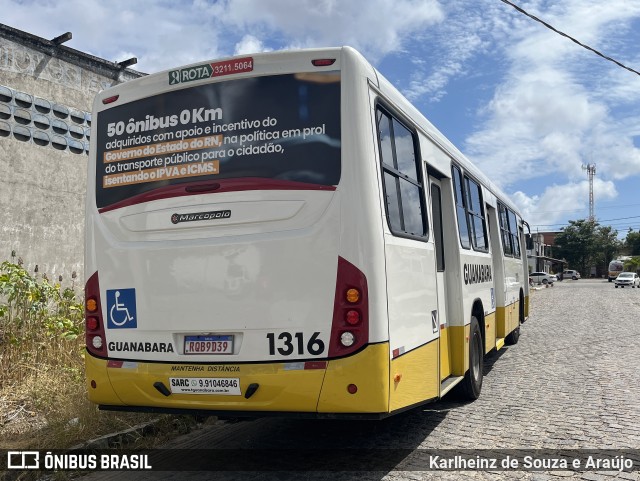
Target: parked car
{"points": [[628, 279], [542, 278], [570, 274]]}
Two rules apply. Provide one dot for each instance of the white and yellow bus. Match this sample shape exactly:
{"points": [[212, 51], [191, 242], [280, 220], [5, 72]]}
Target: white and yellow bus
{"points": [[285, 233]]}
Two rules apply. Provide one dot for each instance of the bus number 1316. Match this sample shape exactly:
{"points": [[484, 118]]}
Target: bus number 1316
{"points": [[286, 343]]}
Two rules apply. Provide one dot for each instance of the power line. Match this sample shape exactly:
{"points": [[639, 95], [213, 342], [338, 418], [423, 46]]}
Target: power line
{"points": [[580, 209], [620, 218], [597, 220], [550, 27]]}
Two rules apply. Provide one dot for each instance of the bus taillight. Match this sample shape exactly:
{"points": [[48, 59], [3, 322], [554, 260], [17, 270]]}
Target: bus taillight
{"points": [[323, 62], [353, 317], [352, 296], [110, 100], [94, 327], [92, 323], [350, 327]]}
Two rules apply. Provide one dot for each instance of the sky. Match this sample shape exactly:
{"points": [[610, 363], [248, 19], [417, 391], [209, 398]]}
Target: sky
{"points": [[528, 106]]}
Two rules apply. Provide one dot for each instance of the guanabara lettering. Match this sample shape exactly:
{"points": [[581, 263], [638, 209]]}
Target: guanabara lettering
{"points": [[117, 346], [477, 273]]}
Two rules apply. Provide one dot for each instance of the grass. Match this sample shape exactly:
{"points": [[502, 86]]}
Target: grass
{"points": [[43, 399]]}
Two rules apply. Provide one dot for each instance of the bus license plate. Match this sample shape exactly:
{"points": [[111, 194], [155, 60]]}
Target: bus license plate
{"points": [[208, 344], [205, 385]]}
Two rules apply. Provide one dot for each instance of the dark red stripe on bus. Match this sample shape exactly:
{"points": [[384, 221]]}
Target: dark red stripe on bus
{"points": [[222, 185]]}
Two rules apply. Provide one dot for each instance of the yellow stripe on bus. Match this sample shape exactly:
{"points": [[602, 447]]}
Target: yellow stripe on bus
{"points": [[285, 387], [413, 377], [459, 336], [507, 319], [368, 371], [490, 329]]}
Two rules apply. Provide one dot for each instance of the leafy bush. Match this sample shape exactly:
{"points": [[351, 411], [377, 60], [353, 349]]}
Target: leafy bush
{"points": [[43, 398], [39, 322], [632, 264]]}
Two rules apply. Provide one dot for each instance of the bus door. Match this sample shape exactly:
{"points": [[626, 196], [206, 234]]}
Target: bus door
{"points": [[441, 321], [494, 333]]}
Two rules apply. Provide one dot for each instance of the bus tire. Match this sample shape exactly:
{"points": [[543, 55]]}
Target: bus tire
{"points": [[472, 383], [513, 337]]}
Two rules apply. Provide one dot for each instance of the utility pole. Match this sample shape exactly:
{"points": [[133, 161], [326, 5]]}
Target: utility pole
{"points": [[591, 172]]}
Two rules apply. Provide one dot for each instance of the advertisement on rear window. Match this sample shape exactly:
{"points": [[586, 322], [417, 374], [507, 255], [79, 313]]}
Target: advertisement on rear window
{"points": [[284, 127]]}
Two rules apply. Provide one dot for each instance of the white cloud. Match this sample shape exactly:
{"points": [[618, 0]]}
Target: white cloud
{"points": [[446, 51], [538, 122], [168, 34], [157, 33], [250, 44], [375, 27], [558, 202], [552, 112]]}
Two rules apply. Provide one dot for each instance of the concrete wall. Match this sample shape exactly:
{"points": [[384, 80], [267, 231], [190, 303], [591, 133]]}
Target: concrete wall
{"points": [[42, 186]]}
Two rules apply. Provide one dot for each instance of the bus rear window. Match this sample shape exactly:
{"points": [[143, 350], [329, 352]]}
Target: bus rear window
{"points": [[283, 127]]}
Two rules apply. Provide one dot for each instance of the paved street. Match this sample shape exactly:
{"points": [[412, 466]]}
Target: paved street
{"points": [[572, 382]]}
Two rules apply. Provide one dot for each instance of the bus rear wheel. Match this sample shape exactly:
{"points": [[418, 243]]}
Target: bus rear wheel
{"points": [[513, 337], [471, 386]]}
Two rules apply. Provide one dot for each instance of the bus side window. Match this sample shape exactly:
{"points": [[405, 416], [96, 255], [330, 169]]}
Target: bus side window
{"points": [[513, 230], [401, 177], [461, 211], [510, 232], [504, 228], [475, 213]]}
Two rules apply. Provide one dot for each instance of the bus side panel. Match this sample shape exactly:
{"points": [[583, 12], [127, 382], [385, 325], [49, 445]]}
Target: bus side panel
{"points": [[460, 349], [508, 314], [413, 376], [99, 388], [413, 303], [368, 371], [508, 319], [490, 330]]}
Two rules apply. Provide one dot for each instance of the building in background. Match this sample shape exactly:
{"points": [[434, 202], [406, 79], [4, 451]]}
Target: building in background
{"points": [[541, 256], [46, 95]]}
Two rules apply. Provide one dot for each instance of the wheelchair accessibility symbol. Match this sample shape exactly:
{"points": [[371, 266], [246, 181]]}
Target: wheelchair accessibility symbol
{"points": [[121, 305]]}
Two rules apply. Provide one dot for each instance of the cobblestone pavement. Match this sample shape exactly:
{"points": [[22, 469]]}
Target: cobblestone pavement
{"points": [[571, 383]]}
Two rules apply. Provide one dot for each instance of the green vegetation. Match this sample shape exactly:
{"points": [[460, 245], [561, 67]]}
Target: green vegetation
{"points": [[633, 264], [43, 401], [35, 317], [585, 243], [632, 248], [632, 243]]}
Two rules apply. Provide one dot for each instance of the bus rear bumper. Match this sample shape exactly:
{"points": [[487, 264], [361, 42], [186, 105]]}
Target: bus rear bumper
{"points": [[282, 387]]}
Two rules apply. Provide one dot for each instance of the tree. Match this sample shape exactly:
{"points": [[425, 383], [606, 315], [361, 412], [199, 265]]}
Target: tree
{"points": [[632, 265], [606, 246], [584, 244], [632, 243]]}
